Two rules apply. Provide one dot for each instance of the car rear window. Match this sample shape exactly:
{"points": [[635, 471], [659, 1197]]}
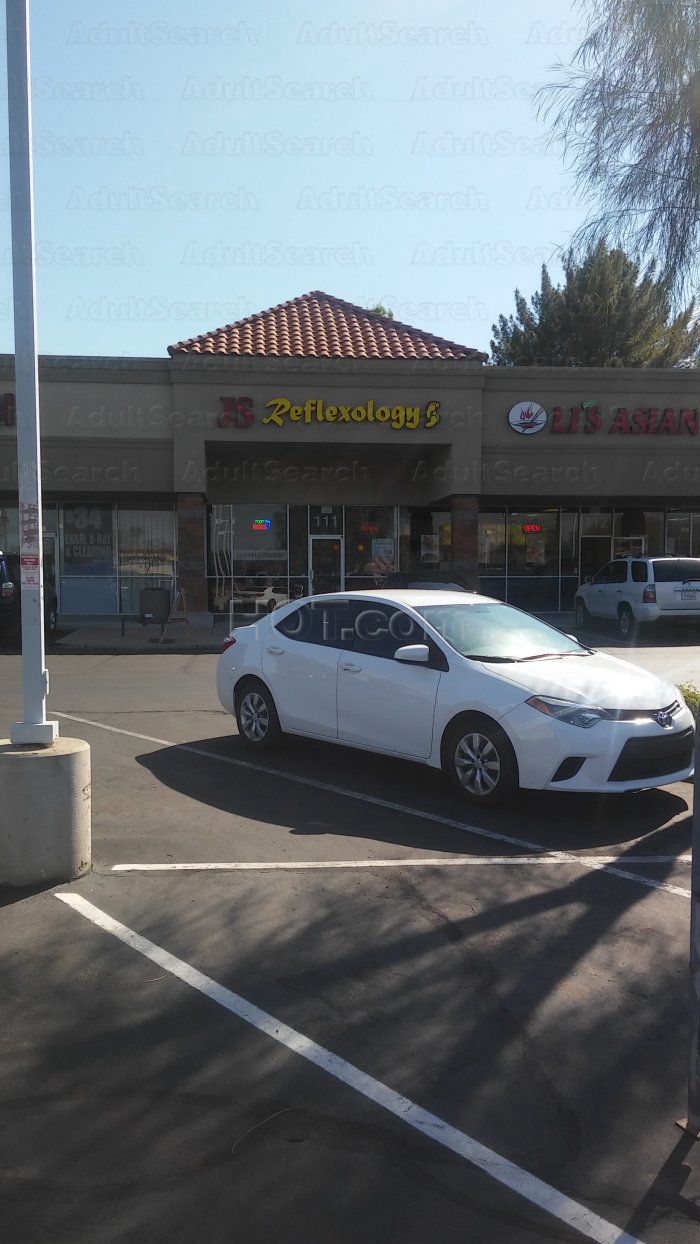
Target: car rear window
{"points": [[678, 570]]}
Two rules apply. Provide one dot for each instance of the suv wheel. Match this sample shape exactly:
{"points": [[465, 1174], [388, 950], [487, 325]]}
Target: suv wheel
{"points": [[626, 623], [581, 614]]}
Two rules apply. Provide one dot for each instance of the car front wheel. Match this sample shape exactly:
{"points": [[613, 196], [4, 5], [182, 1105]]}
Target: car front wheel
{"points": [[256, 716], [478, 758]]}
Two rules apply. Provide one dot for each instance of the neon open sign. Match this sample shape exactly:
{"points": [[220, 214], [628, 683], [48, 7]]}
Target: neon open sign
{"points": [[532, 529], [261, 524]]}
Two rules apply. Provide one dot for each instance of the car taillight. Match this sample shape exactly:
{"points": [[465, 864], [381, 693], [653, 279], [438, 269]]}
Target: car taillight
{"points": [[230, 639], [649, 596]]}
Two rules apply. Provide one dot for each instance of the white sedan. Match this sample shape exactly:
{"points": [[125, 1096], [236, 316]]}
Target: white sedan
{"points": [[493, 696]]}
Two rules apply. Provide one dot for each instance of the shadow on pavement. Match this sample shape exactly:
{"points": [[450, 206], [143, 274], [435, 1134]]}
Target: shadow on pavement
{"points": [[550, 819], [508, 1018]]}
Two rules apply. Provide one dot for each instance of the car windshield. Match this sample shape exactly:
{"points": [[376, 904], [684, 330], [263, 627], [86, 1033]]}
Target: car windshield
{"points": [[680, 570], [495, 632]]}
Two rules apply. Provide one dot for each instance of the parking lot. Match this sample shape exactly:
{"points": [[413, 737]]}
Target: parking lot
{"points": [[318, 998]]}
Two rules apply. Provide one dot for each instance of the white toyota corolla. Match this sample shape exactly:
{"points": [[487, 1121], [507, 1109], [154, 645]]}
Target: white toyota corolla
{"points": [[492, 695]]}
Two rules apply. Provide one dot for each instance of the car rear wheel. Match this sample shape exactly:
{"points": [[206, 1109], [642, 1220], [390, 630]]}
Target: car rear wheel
{"points": [[479, 760], [626, 623], [256, 716], [51, 623]]}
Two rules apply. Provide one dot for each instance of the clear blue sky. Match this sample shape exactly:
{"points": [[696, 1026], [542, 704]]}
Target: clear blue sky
{"points": [[195, 165]]}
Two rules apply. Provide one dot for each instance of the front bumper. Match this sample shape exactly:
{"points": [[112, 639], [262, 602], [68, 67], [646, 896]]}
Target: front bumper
{"points": [[617, 756]]}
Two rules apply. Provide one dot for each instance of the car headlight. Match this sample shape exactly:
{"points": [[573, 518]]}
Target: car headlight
{"points": [[7, 590], [573, 714]]}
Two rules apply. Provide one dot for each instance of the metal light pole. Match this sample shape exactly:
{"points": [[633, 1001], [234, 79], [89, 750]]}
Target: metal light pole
{"points": [[34, 728], [692, 1123], [45, 830]]}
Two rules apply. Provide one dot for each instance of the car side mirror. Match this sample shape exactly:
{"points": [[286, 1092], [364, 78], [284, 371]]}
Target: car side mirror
{"points": [[413, 654], [588, 579]]}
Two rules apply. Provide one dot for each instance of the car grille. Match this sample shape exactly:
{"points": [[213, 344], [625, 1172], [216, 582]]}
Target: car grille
{"points": [[643, 714], [649, 758]]}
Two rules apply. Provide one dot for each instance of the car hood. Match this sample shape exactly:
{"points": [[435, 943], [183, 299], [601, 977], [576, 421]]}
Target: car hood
{"points": [[598, 680]]}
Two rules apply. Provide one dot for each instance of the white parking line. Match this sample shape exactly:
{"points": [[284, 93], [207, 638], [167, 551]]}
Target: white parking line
{"points": [[526, 1185], [411, 862], [376, 802]]}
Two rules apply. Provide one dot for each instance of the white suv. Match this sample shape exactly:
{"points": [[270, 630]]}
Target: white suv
{"points": [[633, 590]]}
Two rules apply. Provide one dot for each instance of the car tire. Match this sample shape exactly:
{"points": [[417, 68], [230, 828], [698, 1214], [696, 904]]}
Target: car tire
{"points": [[50, 623], [581, 613], [271, 604], [479, 759], [256, 716], [626, 623]]}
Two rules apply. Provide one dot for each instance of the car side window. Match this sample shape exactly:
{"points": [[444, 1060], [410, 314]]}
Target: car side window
{"points": [[382, 628], [639, 572], [618, 572], [603, 576], [326, 623]]}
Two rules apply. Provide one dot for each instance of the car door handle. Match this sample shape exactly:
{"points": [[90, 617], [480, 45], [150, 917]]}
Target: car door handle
{"points": [[352, 669], [275, 652]]}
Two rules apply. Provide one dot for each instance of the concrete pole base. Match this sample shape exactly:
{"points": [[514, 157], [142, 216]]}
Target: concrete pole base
{"points": [[45, 812]]}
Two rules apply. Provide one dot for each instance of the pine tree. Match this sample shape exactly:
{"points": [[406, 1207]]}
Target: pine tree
{"points": [[608, 313]]}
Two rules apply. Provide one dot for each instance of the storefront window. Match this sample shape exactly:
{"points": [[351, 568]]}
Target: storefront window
{"points": [[88, 571], [678, 533], [9, 526], [533, 543], [260, 558], [146, 554], [370, 545], [9, 529], [569, 527], [425, 539], [492, 553], [638, 533], [533, 559], [596, 522], [492, 543], [683, 533]]}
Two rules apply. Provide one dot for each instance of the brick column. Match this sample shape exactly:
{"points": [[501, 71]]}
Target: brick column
{"points": [[191, 549], [465, 538]]}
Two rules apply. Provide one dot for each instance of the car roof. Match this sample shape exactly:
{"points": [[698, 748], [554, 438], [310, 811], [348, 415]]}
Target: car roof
{"points": [[667, 557], [413, 597]]}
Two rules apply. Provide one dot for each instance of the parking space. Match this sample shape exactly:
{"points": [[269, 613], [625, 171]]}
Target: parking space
{"points": [[477, 1002]]}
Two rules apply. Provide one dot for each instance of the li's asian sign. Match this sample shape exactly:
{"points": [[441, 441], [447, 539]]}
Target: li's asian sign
{"points": [[589, 419]]}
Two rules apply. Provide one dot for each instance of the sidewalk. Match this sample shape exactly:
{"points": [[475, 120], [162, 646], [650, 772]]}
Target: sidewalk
{"points": [[108, 640], [677, 661]]}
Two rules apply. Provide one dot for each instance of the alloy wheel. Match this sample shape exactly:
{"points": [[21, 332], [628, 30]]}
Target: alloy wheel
{"points": [[478, 764], [255, 716]]}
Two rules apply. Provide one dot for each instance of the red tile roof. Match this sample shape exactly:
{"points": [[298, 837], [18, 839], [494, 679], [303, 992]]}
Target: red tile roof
{"points": [[319, 325]]}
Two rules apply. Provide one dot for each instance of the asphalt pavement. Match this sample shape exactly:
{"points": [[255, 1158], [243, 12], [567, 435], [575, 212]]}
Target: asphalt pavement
{"points": [[488, 1011]]}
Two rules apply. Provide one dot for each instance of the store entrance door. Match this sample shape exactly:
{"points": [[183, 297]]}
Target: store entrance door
{"points": [[326, 565]]}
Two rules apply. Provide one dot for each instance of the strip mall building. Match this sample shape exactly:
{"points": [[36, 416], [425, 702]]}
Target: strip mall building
{"points": [[318, 445]]}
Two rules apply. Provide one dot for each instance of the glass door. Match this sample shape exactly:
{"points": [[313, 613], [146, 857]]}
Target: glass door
{"points": [[326, 569]]}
